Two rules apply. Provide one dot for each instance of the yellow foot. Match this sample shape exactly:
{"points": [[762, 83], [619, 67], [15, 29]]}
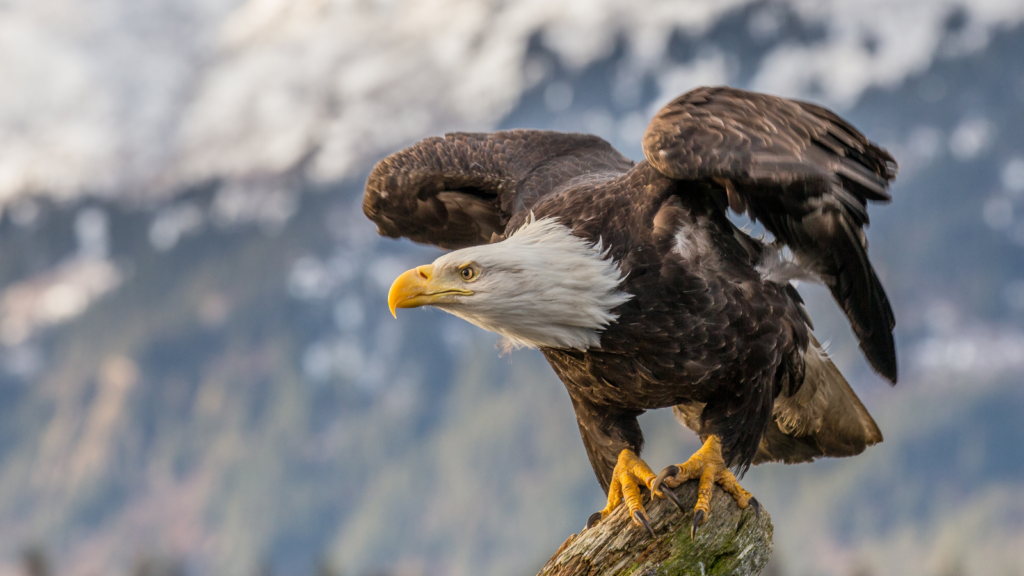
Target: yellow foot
{"points": [[629, 474], [707, 465]]}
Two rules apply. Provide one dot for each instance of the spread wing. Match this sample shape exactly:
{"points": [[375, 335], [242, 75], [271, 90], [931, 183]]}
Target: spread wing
{"points": [[803, 172], [462, 189]]}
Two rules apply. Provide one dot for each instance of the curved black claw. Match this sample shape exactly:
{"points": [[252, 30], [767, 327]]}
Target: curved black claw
{"points": [[668, 471], [641, 518], [698, 517], [671, 495], [757, 507], [594, 520]]}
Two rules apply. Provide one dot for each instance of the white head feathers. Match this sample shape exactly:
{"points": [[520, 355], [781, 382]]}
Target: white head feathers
{"points": [[541, 287]]}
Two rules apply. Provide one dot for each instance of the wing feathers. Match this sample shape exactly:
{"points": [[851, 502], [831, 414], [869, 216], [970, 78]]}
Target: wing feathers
{"points": [[860, 294], [802, 171], [464, 188]]}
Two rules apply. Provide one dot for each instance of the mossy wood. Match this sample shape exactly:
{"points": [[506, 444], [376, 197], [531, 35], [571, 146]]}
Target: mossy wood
{"points": [[732, 541]]}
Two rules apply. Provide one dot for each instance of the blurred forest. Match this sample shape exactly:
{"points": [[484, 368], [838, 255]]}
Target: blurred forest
{"points": [[198, 371]]}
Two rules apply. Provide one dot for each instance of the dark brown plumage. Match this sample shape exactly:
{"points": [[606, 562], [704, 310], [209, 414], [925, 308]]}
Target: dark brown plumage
{"points": [[708, 330]]}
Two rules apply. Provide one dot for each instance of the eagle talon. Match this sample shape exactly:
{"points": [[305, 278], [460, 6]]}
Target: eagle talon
{"points": [[629, 475], [753, 503], [641, 518], [698, 519], [672, 470], [671, 495], [594, 520], [708, 467]]}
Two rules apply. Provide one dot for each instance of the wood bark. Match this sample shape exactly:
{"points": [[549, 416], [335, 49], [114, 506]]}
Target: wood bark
{"points": [[732, 541]]}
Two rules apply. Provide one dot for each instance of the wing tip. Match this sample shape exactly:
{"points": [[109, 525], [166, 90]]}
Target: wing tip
{"points": [[880, 351], [858, 290], [887, 369]]}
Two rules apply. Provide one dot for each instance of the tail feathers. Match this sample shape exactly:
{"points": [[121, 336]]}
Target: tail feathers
{"points": [[823, 418]]}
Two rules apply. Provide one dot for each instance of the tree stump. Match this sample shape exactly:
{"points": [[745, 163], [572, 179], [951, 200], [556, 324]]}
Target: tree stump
{"points": [[732, 541]]}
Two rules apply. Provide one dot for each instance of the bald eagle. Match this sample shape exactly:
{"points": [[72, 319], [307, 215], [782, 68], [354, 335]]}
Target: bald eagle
{"points": [[642, 293]]}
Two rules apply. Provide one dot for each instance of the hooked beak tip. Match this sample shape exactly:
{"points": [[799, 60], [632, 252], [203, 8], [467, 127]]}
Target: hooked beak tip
{"points": [[409, 288]]}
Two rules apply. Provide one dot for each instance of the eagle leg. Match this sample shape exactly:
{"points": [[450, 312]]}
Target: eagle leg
{"points": [[707, 466], [629, 474]]}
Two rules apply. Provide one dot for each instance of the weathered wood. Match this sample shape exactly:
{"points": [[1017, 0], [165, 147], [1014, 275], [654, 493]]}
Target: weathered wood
{"points": [[732, 541]]}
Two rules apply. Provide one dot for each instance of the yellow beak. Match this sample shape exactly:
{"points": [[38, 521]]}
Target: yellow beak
{"points": [[417, 287]]}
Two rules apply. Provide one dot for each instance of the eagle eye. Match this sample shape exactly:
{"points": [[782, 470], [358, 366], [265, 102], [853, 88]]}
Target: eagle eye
{"points": [[468, 273]]}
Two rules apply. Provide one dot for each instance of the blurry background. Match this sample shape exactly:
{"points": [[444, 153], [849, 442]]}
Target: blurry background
{"points": [[198, 371]]}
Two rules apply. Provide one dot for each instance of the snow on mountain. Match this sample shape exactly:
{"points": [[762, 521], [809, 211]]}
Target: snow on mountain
{"points": [[137, 100]]}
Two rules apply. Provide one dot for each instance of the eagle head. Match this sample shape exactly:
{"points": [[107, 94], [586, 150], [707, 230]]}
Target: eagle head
{"points": [[541, 287]]}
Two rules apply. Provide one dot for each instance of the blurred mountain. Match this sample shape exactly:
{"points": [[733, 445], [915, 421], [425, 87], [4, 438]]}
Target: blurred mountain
{"points": [[196, 358]]}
